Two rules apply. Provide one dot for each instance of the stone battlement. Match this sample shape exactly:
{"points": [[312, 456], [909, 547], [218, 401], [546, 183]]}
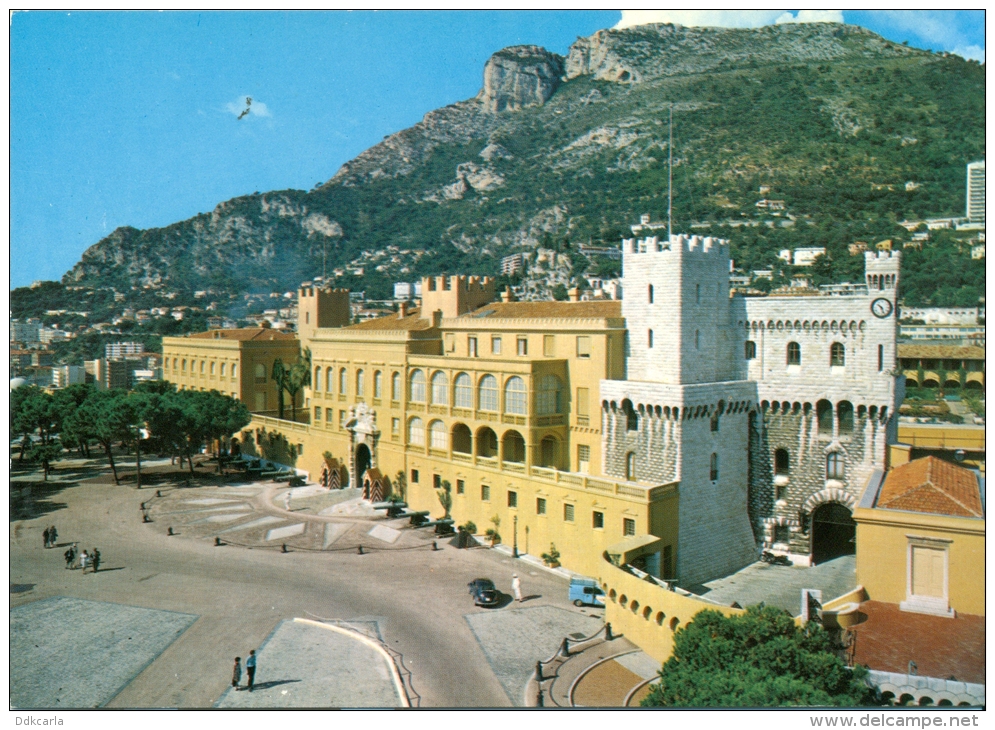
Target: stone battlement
{"points": [[678, 242], [455, 295]]}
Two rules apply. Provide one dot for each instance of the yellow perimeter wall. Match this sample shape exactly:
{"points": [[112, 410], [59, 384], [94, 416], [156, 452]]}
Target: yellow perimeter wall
{"points": [[882, 555]]}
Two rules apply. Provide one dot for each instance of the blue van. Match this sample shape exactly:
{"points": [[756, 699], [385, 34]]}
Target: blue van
{"points": [[585, 592]]}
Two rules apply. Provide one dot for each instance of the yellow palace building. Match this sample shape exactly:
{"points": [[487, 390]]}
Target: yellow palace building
{"points": [[499, 398]]}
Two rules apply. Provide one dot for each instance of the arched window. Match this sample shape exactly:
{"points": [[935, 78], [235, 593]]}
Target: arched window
{"points": [[343, 384], [550, 396], [513, 447], [713, 468], [440, 388], [463, 391], [486, 443], [317, 379], [824, 414], [844, 413], [462, 440], [185, 365], [782, 461], [488, 399], [437, 435], [234, 371], [834, 465], [395, 386], [794, 353], [416, 432], [630, 466], [417, 387], [213, 364], [330, 379], [360, 384], [515, 396], [175, 363], [260, 372], [837, 355], [650, 293], [201, 367], [224, 367]]}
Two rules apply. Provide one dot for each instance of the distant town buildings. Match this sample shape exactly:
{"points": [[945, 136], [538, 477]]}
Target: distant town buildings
{"points": [[512, 264], [801, 256], [976, 192], [407, 290], [944, 315], [123, 349]]}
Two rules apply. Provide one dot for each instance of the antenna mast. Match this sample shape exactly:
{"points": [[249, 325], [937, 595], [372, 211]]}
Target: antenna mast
{"points": [[670, 176]]}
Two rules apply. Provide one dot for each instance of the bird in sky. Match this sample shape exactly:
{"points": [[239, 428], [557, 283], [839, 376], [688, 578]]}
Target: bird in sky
{"points": [[248, 105]]}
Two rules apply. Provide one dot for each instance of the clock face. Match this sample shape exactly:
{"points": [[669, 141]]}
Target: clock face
{"points": [[881, 308]]}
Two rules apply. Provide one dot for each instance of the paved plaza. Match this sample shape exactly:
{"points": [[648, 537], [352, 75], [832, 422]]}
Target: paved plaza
{"points": [[780, 585], [303, 665], [67, 652], [246, 593], [513, 640]]}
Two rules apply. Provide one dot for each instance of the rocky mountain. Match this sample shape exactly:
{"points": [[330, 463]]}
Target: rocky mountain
{"points": [[832, 119]]}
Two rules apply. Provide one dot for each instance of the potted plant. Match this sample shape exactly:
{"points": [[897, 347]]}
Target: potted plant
{"points": [[493, 533], [552, 558]]}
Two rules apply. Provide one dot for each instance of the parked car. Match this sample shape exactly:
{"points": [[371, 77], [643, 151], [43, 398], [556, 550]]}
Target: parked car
{"points": [[585, 592], [483, 591]]}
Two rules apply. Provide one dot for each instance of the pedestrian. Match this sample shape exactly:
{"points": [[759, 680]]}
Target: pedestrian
{"points": [[84, 560], [516, 587], [286, 501], [236, 673], [250, 668], [52, 535], [95, 559], [46, 535], [68, 555]]}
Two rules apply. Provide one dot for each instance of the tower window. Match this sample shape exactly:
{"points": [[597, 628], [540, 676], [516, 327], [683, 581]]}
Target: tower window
{"points": [[697, 293], [837, 355], [650, 293], [782, 462], [649, 339], [630, 467], [834, 465], [880, 358], [714, 467], [750, 350], [794, 353]]}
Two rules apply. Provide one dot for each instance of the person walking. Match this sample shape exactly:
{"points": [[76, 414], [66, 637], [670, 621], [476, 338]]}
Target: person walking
{"points": [[53, 535], [286, 501], [236, 673], [250, 668], [69, 556], [95, 559], [84, 560], [516, 587], [46, 535]]}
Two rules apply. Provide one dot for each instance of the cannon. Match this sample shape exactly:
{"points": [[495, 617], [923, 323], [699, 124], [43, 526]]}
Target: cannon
{"points": [[442, 527], [394, 509], [418, 519]]}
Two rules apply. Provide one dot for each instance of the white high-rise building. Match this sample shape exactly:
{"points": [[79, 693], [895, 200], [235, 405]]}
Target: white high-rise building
{"points": [[976, 191]]}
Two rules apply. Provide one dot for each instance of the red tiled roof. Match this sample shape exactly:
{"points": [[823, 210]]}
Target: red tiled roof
{"points": [[933, 486], [941, 647], [256, 334]]}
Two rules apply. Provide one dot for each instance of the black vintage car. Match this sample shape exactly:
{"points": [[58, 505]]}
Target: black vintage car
{"points": [[483, 591]]}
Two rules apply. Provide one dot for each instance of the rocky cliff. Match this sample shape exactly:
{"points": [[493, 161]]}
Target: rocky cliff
{"points": [[830, 118]]}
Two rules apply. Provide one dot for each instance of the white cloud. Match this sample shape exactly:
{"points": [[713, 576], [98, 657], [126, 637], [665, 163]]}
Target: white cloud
{"points": [[811, 16], [972, 53], [241, 104], [727, 18]]}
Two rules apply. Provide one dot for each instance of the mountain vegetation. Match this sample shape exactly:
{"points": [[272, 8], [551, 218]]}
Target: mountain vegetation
{"points": [[832, 119]]}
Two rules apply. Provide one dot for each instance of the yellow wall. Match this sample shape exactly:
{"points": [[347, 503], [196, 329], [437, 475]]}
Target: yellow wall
{"points": [[658, 612], [203, 353], [882, 555]]}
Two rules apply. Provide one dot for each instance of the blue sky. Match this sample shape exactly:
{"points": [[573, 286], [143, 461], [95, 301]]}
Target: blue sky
{"points": [[132, 118]]}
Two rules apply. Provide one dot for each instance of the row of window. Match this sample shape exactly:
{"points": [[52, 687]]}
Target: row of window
{"points": [[837, 353], [521, 345], [569, 510], [180, 366], [549, 395], [844, 413], [630, 467], [834, 464]]}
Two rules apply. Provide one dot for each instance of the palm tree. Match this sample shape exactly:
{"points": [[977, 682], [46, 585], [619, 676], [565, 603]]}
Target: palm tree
{"points": [[297, 378]]}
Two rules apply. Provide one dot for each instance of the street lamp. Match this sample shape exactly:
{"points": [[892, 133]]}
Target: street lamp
{"points": [[514, 548]]}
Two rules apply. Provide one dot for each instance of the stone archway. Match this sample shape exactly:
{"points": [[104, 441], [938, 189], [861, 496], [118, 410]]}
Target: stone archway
{"points": [[363, 461], [834, 532]]}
